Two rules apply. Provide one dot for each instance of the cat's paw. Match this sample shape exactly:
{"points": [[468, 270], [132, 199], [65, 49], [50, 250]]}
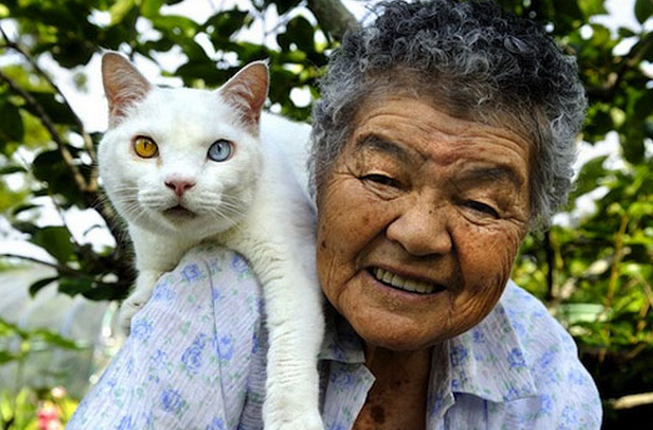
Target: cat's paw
{"points": [[129, 308], [304, 421]]}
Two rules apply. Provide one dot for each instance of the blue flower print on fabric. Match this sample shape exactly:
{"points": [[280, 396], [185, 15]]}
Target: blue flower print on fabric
{"points": [[478, 336], [569, 419], [344, 378], [239, 265], [516, 359], [216, 424], [159, 357], [546, 359], [125, 423], [162, 292], [576, 377], [256, 342], [192, 356], [512, 394], [224, 347], [436, 402], [458, 355], [337, 352], [192, 272], [141, 329], [216, 295], [171, 401], [547, 404]]}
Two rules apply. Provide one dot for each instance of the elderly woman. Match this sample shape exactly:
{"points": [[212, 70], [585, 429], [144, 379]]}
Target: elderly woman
{"points": [[445, 132]]}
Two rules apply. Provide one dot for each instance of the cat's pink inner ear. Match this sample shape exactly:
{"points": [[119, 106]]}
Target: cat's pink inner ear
{"points": [[247, 91], [123, 85]]}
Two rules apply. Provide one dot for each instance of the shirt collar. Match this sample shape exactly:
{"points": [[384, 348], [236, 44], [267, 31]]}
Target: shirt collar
{"points": [[488, 361], [340, 343]]}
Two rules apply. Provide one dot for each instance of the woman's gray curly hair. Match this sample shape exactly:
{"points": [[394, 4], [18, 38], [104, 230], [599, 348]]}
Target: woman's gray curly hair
{"points": [[477, 60]]}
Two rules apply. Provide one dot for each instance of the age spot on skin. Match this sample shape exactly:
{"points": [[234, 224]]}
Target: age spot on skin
{"points": [[378, 414]]}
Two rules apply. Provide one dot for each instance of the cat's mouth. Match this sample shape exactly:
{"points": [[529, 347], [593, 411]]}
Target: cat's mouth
{"points": [[179, 213]]}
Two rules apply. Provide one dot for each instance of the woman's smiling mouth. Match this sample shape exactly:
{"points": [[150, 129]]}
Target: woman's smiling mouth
{"points": [[405, 284]]}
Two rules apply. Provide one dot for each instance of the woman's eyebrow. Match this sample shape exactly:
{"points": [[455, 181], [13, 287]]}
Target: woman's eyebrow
{"points": [[379, 144], [491, 174]]}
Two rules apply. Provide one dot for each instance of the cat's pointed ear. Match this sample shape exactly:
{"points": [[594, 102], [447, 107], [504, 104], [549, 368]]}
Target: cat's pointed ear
{"points": [[247, 91], [123, 85]]}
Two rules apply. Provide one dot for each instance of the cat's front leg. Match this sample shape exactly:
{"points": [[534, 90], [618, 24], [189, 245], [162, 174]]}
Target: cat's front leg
{"points": [[295, 323], [144, 287], [155, 255]]}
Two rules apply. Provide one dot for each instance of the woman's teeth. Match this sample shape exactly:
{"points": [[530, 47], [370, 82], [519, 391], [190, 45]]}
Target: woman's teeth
{"points": [[402, 283]]}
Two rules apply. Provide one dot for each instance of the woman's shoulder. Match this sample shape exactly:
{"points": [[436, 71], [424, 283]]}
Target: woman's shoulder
{"points": [[566, 392], [194, 353], [531, 320]]}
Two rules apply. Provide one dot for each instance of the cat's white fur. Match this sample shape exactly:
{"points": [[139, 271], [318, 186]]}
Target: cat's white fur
{"points": [[251, 203]]}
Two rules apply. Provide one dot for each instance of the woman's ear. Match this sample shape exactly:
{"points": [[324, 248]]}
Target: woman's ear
{"points": [[124, 86]]}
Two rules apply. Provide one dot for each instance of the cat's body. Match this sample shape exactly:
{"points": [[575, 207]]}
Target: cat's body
{"points": [[245, 197]]}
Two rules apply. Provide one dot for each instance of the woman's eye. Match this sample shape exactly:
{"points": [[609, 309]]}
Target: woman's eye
{"points": [[382, 180], [482, 207], [145, 147], [221, 150]]}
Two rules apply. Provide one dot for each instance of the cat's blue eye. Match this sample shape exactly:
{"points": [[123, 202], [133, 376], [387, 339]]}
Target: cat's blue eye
{"points": [[220, 150]]}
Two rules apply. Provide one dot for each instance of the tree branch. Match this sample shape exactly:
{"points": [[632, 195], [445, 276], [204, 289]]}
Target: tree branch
{"points": [[333, 17], [88, 141], [59, 267], [49, 125], [631, 401], [67, 270], [631, 61]]}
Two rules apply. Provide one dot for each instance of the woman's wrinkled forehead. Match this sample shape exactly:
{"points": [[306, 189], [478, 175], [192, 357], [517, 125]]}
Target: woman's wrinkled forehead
{"points": [[403, 83]]}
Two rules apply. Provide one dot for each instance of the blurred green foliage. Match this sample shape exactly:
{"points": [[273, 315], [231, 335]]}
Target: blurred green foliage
{"points": [[29, 409], [594, 272]]}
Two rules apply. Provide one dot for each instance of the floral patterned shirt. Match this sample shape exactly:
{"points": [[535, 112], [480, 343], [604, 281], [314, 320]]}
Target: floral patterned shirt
{"points": [[195, 360]]}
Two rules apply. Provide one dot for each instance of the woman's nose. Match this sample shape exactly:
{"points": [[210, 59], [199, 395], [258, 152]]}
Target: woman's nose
{"points": [[422, 230]]}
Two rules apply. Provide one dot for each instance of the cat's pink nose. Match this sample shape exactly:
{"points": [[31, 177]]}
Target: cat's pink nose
{"points": [[180, 186]]}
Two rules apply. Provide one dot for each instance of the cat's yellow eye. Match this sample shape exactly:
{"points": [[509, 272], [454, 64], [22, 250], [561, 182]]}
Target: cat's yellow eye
{"points": [[145, 147]]}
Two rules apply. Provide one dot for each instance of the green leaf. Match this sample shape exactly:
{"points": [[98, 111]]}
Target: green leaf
{"points": [[633, 146], [74, 286], [150, 8], [225, 24], [25, 227], [12, 168], [120, 9], [55, 339], [57, 111], [204, 70], [592, 7], [300, 31], [6, 357], [11, 123], [177, 25], [643, 10], [56, 240], [643, 106], [23, 208], [49, 167], [588, 177], [284, 6], [38, 285]]}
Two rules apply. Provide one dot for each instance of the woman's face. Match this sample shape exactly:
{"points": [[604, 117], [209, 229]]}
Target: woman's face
{"points": [[420, 219]]}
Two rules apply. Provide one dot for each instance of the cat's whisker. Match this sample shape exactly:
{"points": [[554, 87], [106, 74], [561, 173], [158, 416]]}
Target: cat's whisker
{"points": [[135, 211], [223, 215]]}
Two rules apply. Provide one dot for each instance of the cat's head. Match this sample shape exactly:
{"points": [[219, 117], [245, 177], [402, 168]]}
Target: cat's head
{"points": [[181, 161]]}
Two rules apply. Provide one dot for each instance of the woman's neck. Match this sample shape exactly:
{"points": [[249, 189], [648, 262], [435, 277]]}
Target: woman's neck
{"points": [[398, 397]]}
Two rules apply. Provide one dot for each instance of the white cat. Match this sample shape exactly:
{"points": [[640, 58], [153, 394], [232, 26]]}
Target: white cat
{"points": [[183, 166]]}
